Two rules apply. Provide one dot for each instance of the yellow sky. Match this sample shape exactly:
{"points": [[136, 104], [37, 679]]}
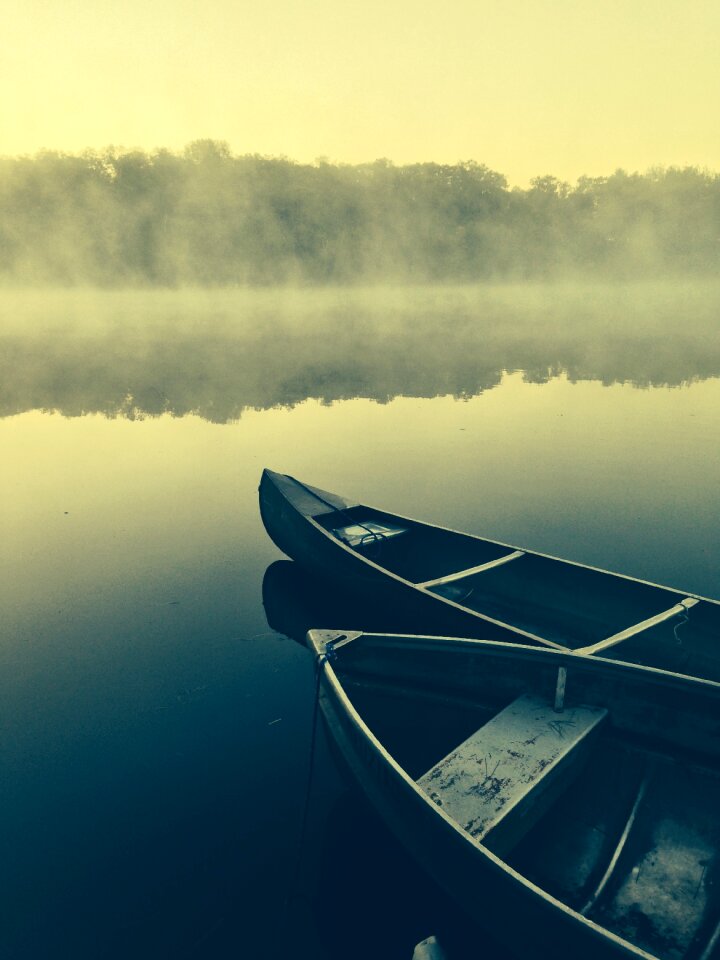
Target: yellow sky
{"points": [[526, 86]]}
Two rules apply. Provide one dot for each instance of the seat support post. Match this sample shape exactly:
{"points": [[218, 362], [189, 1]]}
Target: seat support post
{"points": [[560, 689]]}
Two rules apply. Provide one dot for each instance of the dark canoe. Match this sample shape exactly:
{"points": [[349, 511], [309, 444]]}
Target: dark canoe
{"points": [[593, 832], [454, 583]]}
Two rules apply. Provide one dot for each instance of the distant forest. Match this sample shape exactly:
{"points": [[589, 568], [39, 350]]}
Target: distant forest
{"points": [[207, 217]]}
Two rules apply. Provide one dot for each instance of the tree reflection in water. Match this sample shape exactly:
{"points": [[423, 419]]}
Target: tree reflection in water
{"points": [[217, 353]]}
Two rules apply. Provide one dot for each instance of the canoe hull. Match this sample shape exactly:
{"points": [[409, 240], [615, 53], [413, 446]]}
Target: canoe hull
{"points": [[434, 580]]}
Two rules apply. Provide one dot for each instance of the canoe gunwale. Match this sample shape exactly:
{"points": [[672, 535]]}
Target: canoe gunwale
{"points": [[558, 657]]}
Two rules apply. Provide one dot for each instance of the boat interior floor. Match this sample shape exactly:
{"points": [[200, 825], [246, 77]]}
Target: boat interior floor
{"points": [[634, 846]]}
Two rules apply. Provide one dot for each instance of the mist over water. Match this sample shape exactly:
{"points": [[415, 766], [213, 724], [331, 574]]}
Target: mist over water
{"points": [[220, 353]]}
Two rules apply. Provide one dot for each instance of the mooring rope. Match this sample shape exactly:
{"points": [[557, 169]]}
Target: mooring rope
{"points": [[295, 874], [685, 619]]}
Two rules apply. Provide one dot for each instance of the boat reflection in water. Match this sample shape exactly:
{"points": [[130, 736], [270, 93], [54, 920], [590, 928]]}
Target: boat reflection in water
{"points": [[346, 840], [296, 601]]}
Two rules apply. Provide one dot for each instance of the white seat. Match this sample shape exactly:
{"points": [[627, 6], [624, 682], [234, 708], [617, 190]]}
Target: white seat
{"points": [[498, 782]]}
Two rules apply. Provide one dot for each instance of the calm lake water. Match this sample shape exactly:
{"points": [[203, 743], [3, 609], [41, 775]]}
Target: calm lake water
{"points": [[156, 716]]}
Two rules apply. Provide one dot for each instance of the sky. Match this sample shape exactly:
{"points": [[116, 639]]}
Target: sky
{"points": [[528, 87]]}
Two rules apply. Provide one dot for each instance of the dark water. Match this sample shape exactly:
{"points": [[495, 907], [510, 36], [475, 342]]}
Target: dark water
{"points": [[156, 728]]}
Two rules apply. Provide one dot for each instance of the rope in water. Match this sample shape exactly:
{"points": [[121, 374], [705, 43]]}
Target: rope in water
{"points": [[295, 874]]}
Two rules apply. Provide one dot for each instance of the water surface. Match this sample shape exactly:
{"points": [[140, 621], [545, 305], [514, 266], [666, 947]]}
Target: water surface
{"points": [[156, 728]]}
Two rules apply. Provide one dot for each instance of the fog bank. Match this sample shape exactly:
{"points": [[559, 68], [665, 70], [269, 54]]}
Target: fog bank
{"points": [[206, 217], [217, 354]]}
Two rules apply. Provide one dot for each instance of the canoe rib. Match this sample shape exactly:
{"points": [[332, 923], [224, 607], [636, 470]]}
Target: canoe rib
{"points": [[619, 847], [616, 638], [460, 574], [712, 943]]}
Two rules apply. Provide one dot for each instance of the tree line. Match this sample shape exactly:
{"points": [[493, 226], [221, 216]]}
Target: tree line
{"points": [[207, 217]]}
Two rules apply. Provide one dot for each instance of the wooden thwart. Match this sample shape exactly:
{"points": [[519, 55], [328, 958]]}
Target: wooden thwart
{"points": [[636, 628], [458, 575], [501, 779]]}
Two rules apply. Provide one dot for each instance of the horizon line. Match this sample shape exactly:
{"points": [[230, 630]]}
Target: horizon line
{"points": [[223, 149]]}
